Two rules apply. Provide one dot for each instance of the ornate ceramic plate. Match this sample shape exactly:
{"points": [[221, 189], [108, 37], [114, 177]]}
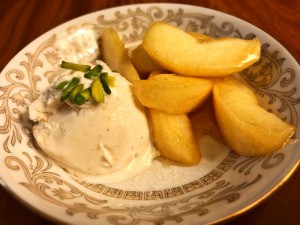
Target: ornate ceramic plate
{"points": [[221, 186]]}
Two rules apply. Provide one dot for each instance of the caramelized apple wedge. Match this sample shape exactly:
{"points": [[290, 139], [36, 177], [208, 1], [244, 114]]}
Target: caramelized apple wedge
{"points": [[174, 137], [115, 55], [143, 63], [179, 52], [247, 128], [199, 36], [205, 123], [173, 94]]}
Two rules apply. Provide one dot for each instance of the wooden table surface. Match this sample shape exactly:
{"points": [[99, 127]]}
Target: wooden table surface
{"points": [[21, 21]]}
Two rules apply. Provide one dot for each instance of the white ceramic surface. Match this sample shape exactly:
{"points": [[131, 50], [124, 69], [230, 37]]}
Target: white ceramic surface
{"points": [[221, 186]]}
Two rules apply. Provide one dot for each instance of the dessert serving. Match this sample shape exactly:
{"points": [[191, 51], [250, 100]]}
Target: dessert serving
{"points": [[81, 135], [92, 120], [149, 114]]}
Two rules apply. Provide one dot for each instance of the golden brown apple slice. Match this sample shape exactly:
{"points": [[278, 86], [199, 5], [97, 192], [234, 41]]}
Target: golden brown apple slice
{"points": [[199, 36], [115, 55], [177, 51], [174, 137], [173, 94], [247, 128], [143, 63], [205, 123]]}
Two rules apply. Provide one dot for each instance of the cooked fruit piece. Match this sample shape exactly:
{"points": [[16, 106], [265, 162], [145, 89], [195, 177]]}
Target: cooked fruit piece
{"points": [[247, 128], [173, 94], [177, 51], [200, 37], [204, 121], [174, 137], [115, 55], [143, 63], [154, 73]]}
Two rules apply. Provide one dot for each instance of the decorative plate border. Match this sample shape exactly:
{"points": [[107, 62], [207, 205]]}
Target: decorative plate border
{"points": [[212, 176], [20, 88]]}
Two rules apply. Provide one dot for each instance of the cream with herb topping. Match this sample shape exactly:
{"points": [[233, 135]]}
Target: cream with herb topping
{"points": [[106, 139]]}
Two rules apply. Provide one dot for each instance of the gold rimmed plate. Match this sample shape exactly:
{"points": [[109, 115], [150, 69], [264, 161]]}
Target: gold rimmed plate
{"points": [[223, 185]]}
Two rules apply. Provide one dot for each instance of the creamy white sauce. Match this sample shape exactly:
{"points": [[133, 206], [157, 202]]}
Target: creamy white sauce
{"points": [[109, 140]]}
